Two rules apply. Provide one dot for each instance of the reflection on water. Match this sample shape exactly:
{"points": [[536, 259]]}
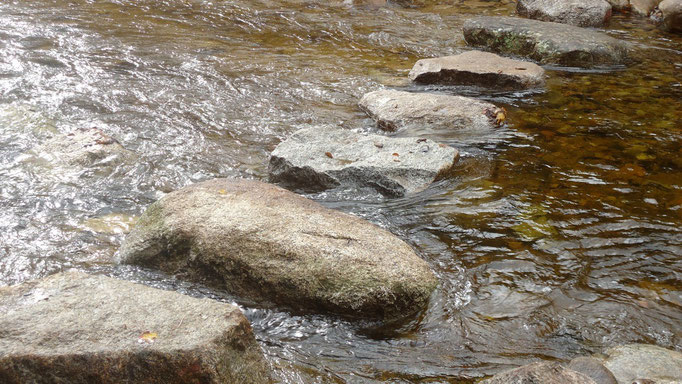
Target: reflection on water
{"points": [[559, 235]]}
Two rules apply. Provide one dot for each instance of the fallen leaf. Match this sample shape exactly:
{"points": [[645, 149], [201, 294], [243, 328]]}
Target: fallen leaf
{"points": [[395, 154], [222, 192], [421, 140], [329, 155], [147, 337]]}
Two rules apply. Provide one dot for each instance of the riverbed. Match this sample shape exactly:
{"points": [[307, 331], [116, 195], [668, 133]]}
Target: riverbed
{"points": [[559, 234]]}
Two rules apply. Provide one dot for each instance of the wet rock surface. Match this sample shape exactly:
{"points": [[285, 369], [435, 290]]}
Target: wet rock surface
{"points": [[594, 369], [476, 68], [267, 244], [324, 158], [643, 7], [84, 147], [671, 15], [582, 13], [398, 110], [77, 328], [540, 373], [546, 42], [644, 362]]}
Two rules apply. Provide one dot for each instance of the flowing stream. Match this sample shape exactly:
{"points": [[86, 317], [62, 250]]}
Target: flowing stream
{"points": [[559, 235]]}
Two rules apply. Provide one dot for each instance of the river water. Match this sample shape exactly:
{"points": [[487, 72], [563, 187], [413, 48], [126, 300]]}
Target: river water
{"points": [[559, 235]]}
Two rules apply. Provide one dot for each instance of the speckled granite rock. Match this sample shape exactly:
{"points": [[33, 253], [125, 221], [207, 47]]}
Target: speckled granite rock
{"points": [[546, 42], [81, 329], [323, 158], [263, 242], [398, 110], [482, 69], [642, 361], [581, 13], [540, 373]]}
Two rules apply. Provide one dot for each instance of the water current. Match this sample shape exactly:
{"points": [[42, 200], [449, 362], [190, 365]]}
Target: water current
{"points": [[560, 234]]}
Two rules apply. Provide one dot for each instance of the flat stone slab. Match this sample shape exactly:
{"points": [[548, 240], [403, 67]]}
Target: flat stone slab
{"points": [[540, 373], [81, 329], [271, 245], [581, 13], [546, 42], [482, 69], [641, 361], [324, 158], [398, 110]]}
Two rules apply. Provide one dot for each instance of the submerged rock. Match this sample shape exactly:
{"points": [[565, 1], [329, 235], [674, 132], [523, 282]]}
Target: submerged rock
{"points": [[394, 110], [478, 68], [323, 158], [593, 368], [76, 328], [671, 15], [540, 373], [641, 361], [83, 147], [546, 42], [268, 244], [581, 13]]}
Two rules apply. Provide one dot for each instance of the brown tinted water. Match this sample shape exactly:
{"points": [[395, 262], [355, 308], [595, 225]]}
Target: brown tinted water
{"points": [[559, 235]]}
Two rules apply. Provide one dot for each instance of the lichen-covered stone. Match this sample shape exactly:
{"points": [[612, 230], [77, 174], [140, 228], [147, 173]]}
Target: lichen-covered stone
{"points": [[482, 69], [581, 13], [322, 158], [80, 329], [267, 244], [642, 361], [540, 373], [546, 42], [398, 110]]}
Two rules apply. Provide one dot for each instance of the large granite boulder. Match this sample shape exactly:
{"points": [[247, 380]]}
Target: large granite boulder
{"points": [[267, 244], [540, 373], [81, 329], [581, 13], [398, 110], [546, 42], [322, 158], [646, 362], [482, 69], [670, 17]]}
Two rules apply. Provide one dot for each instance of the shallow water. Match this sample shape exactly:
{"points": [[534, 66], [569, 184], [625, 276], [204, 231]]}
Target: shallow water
{"points": [[559, 235]]}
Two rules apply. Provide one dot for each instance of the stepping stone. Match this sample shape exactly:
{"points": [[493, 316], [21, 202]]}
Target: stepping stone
{"points": [[642, 361], [540, 373], [324, 158], [482, 69], [546, 42], [581, 13], [271, 245], [397, 110], [81, 329]]}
